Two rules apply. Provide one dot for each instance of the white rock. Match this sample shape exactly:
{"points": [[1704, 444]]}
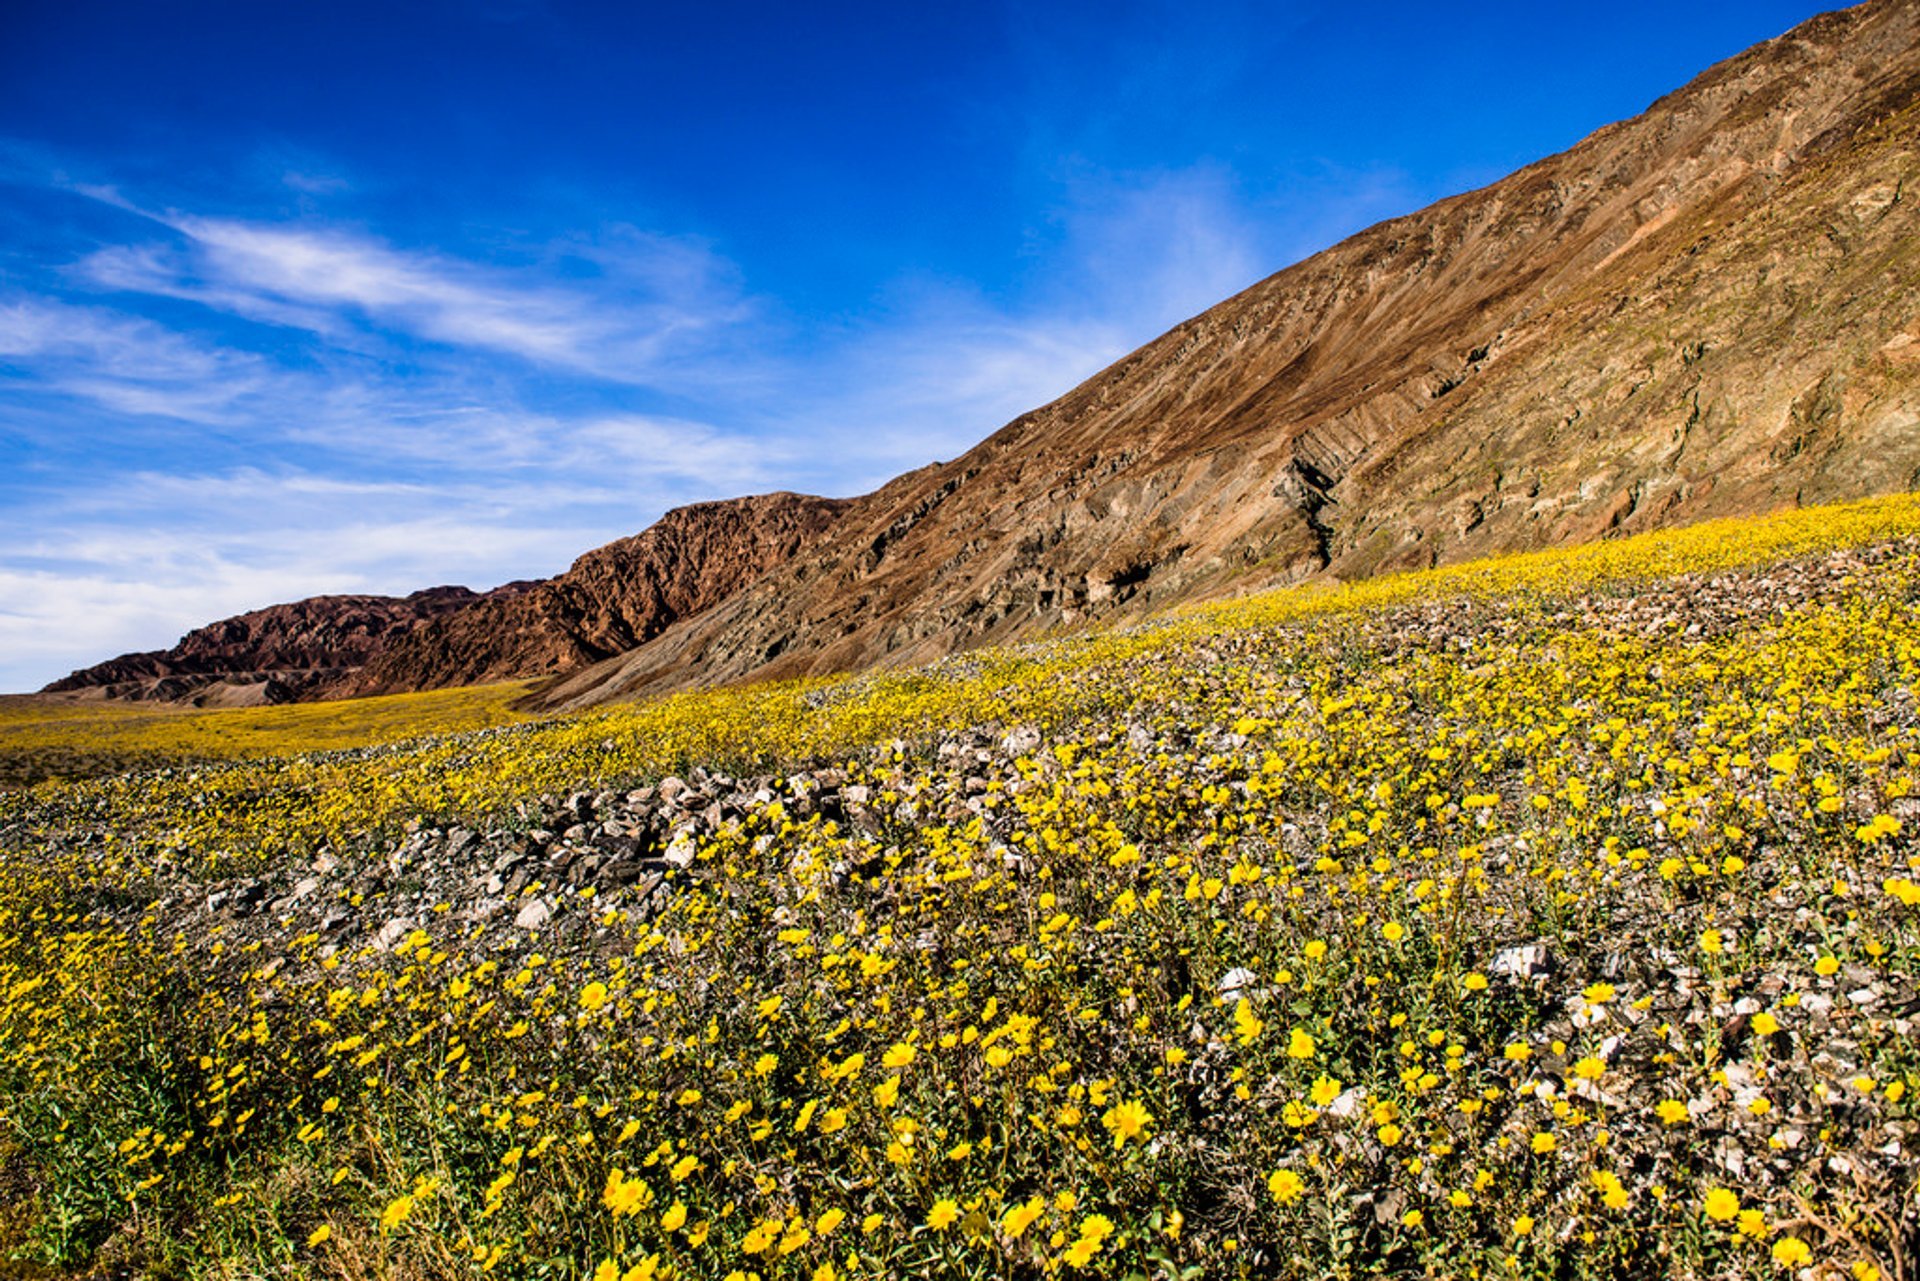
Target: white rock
{"points": [[534, 915], [681, 850], [1234, 982], [393, 931], [1348, 1104], [1020, 741], [1527, 962]]}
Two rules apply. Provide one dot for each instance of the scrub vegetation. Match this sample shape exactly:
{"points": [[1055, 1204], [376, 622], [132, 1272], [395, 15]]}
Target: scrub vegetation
{"points": [[1547, 916]]}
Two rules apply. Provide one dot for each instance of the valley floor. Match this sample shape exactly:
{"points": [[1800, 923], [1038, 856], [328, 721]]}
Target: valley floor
{"points": [[64, 738]]}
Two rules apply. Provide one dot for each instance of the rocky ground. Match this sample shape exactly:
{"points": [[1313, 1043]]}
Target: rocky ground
{"points": [[1559, 932]]}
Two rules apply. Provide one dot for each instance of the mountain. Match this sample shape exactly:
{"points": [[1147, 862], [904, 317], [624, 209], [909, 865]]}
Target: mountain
{"points": [[612, 599], [273, 655], [1710, 309]]}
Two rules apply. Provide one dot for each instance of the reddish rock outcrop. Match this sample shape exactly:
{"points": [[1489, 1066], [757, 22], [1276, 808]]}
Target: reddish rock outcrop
{"points": [[272, 655], [613, 598]]}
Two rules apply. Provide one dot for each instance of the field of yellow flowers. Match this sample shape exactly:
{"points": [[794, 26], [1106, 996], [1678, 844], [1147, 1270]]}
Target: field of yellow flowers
{"points": [[1552, 916], [58, 737]]}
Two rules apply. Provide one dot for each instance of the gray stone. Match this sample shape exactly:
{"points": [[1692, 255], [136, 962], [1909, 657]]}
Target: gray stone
{"points": [[682, 849], [1236, 983], [393, 932], [1528, 963], [1022, 740]]}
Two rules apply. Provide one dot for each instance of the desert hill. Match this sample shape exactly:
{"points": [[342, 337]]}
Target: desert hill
{"points": [[612, 599], [1711, 309], [274, 655]]}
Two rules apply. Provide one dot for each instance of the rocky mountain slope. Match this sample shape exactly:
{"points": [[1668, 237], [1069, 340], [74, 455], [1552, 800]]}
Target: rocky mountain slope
{"points": [[1712, 308], [271, 655], [614, 598]]}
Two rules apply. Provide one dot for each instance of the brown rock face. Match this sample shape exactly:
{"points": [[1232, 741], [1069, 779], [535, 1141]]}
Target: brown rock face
{"points": [[1713, 308], [614, 598], [272, 655]]}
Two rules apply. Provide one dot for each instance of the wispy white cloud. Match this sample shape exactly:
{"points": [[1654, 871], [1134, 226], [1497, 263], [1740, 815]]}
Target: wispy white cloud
{"points": [[53, 621], [85, 586], [134, 560], [934, 381], [1127, 257], [655, 295], [1146, 251], [162, 270], [315, 184], [128, 363], [674, 449], [33, 327], [441, 300], [111, 599]]}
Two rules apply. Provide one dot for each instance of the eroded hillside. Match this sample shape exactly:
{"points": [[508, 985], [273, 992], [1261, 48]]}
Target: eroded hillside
{"points": [[1711, 309]]}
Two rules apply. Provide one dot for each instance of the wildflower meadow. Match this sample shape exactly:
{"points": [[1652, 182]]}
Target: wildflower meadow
{"points": [[1553, 916]]}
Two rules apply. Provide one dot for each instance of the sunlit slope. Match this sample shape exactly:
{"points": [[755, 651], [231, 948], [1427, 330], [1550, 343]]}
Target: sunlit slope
{"points": [[57, 737], [1552, 916], [1711, 309]]}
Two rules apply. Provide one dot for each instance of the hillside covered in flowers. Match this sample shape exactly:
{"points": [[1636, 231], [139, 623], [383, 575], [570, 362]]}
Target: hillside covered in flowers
{"points": [[1548, 916]]}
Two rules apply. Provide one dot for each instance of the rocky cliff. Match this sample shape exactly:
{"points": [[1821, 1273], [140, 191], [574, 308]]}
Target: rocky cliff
{"points": [[613, 598], [273, 655], [1713, 308]]}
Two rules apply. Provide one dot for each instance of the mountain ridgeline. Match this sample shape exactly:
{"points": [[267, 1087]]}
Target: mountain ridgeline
{"points": [[613, 598], [279, 654], [1710, 309]]}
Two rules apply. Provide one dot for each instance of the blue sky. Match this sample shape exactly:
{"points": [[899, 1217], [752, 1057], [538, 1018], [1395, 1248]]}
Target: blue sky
{"points": [[325, 297]]}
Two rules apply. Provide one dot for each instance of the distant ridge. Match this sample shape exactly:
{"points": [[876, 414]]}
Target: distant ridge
{"points": [[612, 599], [274, 655]]}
